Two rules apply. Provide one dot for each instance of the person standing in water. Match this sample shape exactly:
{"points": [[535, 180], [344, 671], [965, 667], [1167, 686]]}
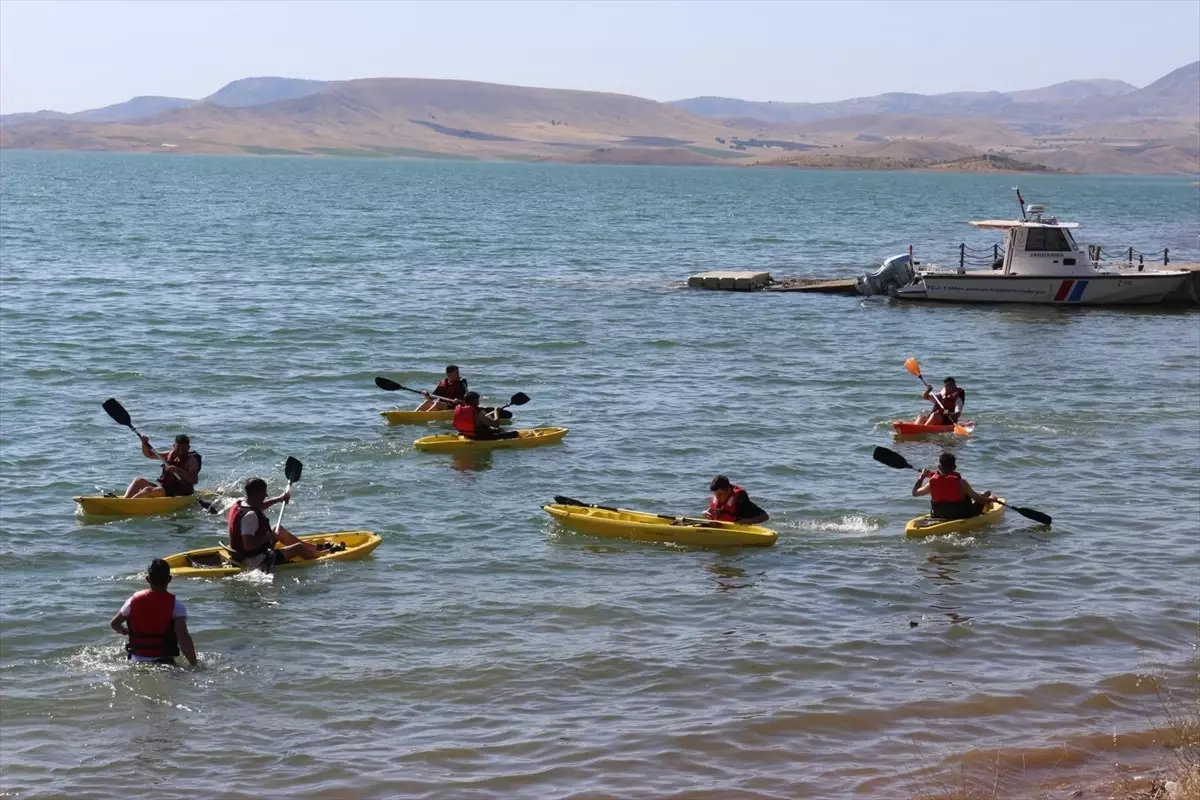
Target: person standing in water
{"points": [[180, 471], [950, 496], [155, 621], [730, 503]]}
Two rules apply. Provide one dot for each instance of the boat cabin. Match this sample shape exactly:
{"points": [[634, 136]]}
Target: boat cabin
{"points": [[1039, 245]]}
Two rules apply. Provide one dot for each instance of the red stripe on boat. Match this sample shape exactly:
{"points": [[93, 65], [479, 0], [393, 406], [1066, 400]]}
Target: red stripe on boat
{"points": [[1063, 290]]}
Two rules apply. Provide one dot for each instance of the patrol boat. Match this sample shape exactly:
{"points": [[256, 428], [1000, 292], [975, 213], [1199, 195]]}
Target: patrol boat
{"points": [[1041, 263]]}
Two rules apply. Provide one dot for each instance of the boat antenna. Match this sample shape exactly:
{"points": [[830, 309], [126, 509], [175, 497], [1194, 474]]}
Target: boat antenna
{"points": [[1021, 202]]}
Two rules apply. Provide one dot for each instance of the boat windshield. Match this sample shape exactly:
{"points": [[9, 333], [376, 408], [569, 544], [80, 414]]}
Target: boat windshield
{"points": [[1070, 240], [1048, 240]]}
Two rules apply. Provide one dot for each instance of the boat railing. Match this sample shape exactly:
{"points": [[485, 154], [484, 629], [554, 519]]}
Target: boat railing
{"points": [[979, 256], [1127, 257]]}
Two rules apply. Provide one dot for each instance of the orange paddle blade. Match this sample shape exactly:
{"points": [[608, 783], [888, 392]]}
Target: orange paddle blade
{"points": [[913, 366]]}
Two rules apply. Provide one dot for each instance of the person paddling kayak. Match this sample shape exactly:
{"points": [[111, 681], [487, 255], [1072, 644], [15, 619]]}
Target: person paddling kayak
{"points": [[730, 503], [180, 471], [155, 621], [453, 387], [950, 496], [948, 404], [474, 423], [251, 537]]}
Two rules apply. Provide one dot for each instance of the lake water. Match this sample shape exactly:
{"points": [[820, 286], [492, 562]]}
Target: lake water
{"points": [[485, 652]]}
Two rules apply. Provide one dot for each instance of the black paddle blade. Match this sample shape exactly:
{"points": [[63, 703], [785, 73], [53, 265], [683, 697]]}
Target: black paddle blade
{"points": [[570, 501], [292, 469], [891, 458], [117, 412], [387, 385], [1033, 514], [519, 399]]}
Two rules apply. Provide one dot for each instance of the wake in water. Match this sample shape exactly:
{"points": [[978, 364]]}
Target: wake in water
{"points": [[848, 524]]}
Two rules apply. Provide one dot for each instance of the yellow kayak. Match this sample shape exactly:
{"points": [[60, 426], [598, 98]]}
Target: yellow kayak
{"points": [[619, 523], [454, 443], [215, 562], [100, 506], [403, 417], [926, 525]]}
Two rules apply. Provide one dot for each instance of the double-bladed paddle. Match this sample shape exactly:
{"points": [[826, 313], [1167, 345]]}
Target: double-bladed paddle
{"points": [[120, 416], [391, 386], [700, 523], [896, 461], [914, 368], [518, 399]]}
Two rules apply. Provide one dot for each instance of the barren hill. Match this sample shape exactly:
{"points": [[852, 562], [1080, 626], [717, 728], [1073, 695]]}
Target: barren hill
{"points": [[401, 116], [1087, 126]]}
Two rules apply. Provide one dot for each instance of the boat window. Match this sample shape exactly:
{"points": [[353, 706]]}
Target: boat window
{"points": [[1045, 239]]}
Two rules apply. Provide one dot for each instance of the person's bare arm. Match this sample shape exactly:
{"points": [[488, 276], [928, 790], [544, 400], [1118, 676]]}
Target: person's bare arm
{"points": [[918, 489], [150, 452], [283, 498], [184, 638], [982, 499], [118, 624]]}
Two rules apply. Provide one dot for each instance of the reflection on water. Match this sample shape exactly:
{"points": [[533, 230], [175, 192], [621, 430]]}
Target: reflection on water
{"points": [[727, 577], [942, 570], [472, 462]]}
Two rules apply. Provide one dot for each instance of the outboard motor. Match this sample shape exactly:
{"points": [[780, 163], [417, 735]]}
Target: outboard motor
{"points": [[896, 271]]}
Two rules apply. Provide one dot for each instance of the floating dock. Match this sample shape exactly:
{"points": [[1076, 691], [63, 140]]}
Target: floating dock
{"points": [[731, 281]]}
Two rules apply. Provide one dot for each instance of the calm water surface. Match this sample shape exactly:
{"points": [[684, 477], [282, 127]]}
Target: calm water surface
{"points": [[484, 652]]}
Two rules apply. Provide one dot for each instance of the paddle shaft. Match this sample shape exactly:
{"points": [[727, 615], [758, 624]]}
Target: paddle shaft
{"points": [[573, 502], [138, 433], [282, 508]]}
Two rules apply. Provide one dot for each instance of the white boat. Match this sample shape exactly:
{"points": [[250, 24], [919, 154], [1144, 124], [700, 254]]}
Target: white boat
{"points": [[1041, 263]]}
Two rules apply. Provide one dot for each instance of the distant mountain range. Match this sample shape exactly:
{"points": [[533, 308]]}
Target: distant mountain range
{"points": [[1083, 125], [239, 94]]}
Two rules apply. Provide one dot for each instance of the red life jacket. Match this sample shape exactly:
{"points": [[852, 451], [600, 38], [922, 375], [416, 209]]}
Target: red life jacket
{"points": [[236, 512], [169, 481], [464, 420], [152, 625], [727, 511], [946, 488], [452, 390], [950, 402]]}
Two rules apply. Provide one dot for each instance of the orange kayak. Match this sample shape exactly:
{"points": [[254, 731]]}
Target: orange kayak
{"points": [[913, 429]]}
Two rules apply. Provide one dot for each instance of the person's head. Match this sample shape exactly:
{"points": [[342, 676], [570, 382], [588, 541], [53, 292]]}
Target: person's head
{"points": [[947, 463], [471, 398], [159, 574], [950, 384], [720, 487], [182, 444], [256, 492], [452, 372]]}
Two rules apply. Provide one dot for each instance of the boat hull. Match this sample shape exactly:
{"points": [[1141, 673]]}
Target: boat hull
{"points": [[1135, 288]]}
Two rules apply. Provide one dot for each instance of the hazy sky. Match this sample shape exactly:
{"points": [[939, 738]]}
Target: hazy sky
{"points": [[70, 56]]}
